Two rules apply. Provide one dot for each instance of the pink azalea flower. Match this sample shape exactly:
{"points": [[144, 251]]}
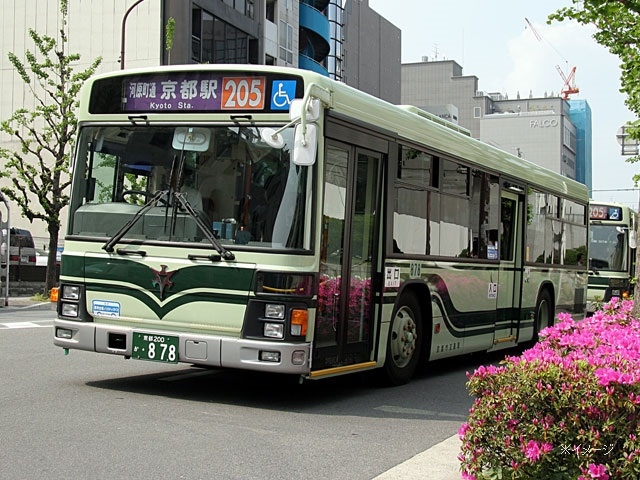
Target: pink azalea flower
{"points": [[598, 472], [534, 450]]}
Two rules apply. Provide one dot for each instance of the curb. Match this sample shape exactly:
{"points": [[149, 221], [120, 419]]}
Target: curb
{"points": [[30, 306], [439, 462]]}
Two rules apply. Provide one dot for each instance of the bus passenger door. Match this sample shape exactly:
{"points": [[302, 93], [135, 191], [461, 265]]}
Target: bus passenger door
{"points": [[345, 308], [510, 270]]}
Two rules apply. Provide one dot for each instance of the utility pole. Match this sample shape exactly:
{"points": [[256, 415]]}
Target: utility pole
{"points": [[631, 148], [6, 246], [124, 22]]}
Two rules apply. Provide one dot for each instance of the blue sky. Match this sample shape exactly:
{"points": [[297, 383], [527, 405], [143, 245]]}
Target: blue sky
{"points": [[491, 40]]}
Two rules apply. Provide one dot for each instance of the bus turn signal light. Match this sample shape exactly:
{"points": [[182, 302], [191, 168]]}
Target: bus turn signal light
{"points": [[299, 321]]}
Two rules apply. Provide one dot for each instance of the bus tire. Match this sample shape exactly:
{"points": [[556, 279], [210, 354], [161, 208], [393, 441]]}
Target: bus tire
{"points": [[543, 314], [404, 341]]}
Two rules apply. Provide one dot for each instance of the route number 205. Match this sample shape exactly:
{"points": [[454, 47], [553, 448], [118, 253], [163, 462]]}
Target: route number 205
{"points": [[242, 93]]}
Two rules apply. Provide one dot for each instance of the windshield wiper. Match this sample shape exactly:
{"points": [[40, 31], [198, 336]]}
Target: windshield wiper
{"points": [[186, 206], [184, 203], [108, 247]]}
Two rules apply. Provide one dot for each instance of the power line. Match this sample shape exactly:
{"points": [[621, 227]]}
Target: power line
{"points": [[617, 190]]}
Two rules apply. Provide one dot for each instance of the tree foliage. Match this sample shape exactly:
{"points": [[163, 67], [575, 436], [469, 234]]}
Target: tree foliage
{"points": [[617, 24], [39, 170]]}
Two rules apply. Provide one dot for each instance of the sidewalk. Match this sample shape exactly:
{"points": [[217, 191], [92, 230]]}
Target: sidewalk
{"points": [[439, 462], [15, 303]]}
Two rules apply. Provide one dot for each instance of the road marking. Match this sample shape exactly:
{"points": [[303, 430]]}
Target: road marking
{"points": [[24, 325], [417, 411]]}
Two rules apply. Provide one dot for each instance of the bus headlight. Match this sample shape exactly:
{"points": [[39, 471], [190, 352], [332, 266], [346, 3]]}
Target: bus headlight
{"points": [[65, 333], [70, 292], [274, 310], [69, 309], [266, 356], [274, 330]]}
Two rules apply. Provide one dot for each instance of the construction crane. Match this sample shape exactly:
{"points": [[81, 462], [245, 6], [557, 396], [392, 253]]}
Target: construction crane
{"points": [[569, 87]]}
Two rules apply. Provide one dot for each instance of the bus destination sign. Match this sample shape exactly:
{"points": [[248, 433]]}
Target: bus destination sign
{"points": [[205, 91], [195, 91], [605, 212]]}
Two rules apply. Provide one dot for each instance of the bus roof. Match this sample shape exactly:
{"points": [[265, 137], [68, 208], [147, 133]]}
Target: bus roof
{"points": [[406, 122]]}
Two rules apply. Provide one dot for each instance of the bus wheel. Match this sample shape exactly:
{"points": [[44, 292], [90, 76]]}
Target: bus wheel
{"points": [[403, 344], [544, 315]]}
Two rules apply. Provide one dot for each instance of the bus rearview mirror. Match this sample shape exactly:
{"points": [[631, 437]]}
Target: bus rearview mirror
{"points": [[191, 139], [271, 137], [305, 145]]}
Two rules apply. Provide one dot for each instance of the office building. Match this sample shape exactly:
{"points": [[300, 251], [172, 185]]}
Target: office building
{"points": [[343, 39], [550, 131]]}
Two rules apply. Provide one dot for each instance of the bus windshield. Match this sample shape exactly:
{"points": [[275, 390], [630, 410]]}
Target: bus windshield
{"points": [[607, 248], [248, 193]]}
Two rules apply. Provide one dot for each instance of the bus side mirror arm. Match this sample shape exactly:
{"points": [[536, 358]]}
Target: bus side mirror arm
{"points": [[303, 113]]}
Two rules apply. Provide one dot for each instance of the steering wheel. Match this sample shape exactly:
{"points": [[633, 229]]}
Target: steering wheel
{"points": [[147, 196]]}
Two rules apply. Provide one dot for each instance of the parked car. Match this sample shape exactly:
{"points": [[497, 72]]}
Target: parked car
{"points": [[41, 257], [22, 249]]}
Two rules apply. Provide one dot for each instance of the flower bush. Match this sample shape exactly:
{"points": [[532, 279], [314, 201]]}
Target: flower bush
{"points": [[568, 408]]}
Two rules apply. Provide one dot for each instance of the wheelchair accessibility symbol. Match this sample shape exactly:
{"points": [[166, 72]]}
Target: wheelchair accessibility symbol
{"points": [[282, 92]]}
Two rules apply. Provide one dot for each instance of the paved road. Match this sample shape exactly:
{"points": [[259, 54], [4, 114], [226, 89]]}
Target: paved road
{"points": [[98, 416]]}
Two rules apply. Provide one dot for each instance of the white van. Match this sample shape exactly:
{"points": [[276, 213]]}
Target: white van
{"points": [[22, 249]]}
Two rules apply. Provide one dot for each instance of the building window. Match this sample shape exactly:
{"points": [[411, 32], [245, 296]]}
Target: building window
{"points": [[270, 10], [477, 112], [215, 41], [286, 42], [245, 7], [333, 62], [196, 34]]}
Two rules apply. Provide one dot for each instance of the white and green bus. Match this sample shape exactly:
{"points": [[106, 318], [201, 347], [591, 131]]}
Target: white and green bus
{"points": [[271, 219], [612, 252]]}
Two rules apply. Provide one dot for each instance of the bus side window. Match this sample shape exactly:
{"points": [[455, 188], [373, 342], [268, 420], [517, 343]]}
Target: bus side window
{"points": [[506, 229]]}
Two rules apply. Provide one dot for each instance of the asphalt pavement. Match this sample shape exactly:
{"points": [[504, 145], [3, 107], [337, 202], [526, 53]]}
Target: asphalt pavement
{"points": [[439, 462]]}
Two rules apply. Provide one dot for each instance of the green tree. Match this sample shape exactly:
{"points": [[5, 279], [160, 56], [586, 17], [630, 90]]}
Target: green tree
{"points": [[40, 168], [169, 35], [617, 28]]}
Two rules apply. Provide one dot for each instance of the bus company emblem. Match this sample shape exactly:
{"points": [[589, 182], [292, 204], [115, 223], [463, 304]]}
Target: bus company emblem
{"points": [[162, 279]]}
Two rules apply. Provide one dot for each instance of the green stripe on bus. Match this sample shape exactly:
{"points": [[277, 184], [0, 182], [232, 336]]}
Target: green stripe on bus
{"points": [[171, 303], [142, 274]]}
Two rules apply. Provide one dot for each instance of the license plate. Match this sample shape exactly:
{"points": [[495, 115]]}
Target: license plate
{"points": [[615, 293], [157, 348]]}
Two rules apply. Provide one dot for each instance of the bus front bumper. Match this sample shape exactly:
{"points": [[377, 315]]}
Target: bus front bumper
{"points": [[198, 349]]}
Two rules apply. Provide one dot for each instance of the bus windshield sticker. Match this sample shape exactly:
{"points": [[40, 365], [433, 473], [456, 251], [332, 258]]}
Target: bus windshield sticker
{"points": [[105, 308]]}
